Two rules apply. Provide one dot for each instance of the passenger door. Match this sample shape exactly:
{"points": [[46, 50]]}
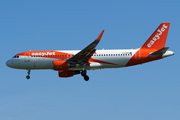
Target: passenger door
{"points": [[27, 57]]}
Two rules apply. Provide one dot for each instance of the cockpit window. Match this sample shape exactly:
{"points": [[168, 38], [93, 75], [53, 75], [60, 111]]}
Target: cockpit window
{"points": [[16, 56]]}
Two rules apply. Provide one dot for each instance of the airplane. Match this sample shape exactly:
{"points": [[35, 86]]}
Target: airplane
{"points": [[73, 62]]}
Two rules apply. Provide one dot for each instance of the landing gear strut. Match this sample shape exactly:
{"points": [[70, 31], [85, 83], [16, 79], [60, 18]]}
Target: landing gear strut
{"points": [[84, 74], [28, 77]]}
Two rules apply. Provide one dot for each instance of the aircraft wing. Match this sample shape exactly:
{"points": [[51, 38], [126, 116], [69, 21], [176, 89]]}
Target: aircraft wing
{"points": [[82, 58]]}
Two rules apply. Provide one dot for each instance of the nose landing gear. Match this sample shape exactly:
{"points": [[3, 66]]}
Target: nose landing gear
{"points": [[28, 77], [84, 74]]}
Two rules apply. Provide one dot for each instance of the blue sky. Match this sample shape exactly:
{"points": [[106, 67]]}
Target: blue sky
{"points": [[148, 91]]}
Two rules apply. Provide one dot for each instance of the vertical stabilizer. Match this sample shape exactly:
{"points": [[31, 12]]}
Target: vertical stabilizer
{"points": [[158, 39]]}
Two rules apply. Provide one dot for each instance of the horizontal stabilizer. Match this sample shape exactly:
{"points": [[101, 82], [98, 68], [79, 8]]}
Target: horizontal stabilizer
{"points": [[159, 52]]}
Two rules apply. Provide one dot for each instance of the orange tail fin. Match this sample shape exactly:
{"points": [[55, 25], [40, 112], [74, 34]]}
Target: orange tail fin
{"points": [[158, 39]]}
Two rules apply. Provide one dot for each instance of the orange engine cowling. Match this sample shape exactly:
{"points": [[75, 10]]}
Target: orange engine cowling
{"points": [[68, 73], [60, 65]]}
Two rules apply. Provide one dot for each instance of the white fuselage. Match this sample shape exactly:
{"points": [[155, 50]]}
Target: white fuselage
{"points": [[110, 58]]}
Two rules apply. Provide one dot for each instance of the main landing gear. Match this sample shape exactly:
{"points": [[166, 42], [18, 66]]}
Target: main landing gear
{"points": [[84, 74], [28, 77]]}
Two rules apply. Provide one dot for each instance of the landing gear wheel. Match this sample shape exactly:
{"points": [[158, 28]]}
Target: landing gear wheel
{"points": [[28, 77], [86, 78], [83, 73]]}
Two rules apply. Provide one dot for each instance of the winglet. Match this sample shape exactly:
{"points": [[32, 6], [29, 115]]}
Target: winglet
{"points": [[99, 38]]}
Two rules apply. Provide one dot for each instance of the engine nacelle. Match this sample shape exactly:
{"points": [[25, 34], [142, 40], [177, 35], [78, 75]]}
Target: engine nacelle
{"points": [[68, 73], [60, 65]]}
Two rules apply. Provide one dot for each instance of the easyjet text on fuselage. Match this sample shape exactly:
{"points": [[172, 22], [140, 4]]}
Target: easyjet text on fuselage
{"points": [[43, 53]]}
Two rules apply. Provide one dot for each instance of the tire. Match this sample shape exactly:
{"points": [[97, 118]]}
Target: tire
{"points": [[86, 78], [28, 77], [83, 73]]}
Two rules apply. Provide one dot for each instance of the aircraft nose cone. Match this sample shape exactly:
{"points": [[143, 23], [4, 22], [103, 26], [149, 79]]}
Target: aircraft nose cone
{"points": [[9, 63]]}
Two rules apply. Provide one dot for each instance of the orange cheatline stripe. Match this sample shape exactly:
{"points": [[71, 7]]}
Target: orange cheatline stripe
{"points": [[47, 54]]}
